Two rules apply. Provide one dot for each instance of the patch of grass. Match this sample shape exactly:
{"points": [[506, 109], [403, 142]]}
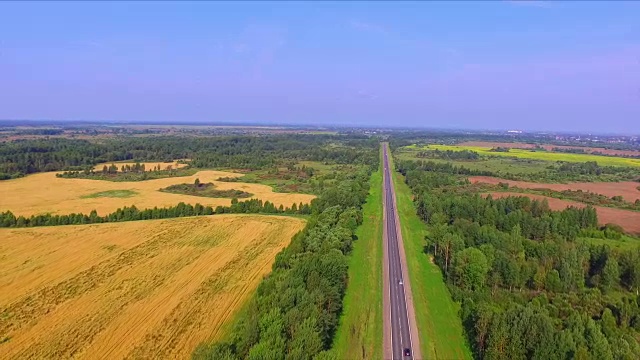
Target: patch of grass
{"points": [[624, 243], [111, 194], [439, 325], [359, 335], [542, 155]]}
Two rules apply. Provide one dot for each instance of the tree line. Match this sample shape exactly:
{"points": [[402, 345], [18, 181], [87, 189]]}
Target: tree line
{"points": [[554, 172], [449, 154], [529, 288], [132, 213]]}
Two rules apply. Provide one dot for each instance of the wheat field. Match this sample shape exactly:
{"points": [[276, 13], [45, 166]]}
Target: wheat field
{"points": [[142, 289], [45, 193]]}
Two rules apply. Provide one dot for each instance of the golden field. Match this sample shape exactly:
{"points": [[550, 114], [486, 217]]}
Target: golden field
{"points": [[144, 289], [45, 193]]}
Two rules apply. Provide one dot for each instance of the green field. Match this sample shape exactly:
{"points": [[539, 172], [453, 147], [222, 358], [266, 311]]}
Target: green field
{"points": [[359, 335], [537, 155], [111, 194], [439, 325], [624, 243]]}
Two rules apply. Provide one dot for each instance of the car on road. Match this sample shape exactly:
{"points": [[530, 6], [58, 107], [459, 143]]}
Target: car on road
{"points": [[407, 352]]}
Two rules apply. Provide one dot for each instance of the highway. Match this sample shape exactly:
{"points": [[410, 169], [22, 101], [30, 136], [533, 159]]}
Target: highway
{"points": [[399, 325]]}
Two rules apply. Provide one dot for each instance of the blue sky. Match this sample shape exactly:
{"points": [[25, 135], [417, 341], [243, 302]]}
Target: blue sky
{"points": [[501, 64]]}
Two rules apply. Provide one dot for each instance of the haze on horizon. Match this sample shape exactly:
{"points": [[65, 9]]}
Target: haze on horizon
{"points": [[572, 66]]}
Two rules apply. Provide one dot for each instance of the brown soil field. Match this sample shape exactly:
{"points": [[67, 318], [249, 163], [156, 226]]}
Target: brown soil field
{"points": [[549, 147], [46, 193], [147, 165], [627, 189], [145, 289], [629, 220]]}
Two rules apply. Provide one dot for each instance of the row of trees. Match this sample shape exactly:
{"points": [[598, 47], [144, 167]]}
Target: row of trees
{"points": [[554, 172], [529, 287], [132, 213], [449, 154], [295, 311]]}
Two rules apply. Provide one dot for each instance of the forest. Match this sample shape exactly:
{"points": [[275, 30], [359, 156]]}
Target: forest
{"points": [[22, 157], [527, 288]]}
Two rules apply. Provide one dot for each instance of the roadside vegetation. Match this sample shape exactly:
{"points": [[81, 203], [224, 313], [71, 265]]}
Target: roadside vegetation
{"points": [[359, 334], [295, 312], [531, 282], [439, 326]]}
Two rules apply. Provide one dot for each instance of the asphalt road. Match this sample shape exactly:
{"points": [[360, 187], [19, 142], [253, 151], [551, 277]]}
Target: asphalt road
{"points": [[397, 309]]}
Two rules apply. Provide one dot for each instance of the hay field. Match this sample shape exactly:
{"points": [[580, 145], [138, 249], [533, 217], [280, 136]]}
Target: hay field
{"points": [[146, 289], [536, 155], [46, 193]]}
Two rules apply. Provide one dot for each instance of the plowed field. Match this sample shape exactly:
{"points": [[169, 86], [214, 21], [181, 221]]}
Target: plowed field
{"points": [[146, 289], [627, 189]]}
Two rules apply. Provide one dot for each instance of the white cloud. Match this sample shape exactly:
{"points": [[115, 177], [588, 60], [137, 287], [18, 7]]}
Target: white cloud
{"points": [[367, 27]]}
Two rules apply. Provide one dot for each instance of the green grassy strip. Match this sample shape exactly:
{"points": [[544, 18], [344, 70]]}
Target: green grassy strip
{"points": [[439, 325], [359, 335], [111, 194]]}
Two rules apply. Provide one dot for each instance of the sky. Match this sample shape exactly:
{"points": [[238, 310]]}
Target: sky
{"points": [[529, 65]]}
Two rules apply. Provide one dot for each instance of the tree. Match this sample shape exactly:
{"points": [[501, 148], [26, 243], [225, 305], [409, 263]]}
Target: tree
{"points": [[610, 274], [470, 268]]}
